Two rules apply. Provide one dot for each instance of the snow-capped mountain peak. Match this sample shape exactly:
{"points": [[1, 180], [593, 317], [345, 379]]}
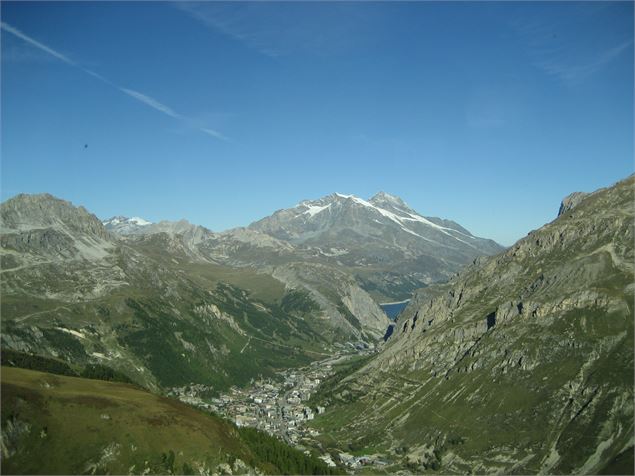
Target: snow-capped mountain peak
{"points": [[124, 225], [386, 197], [139, 221], [385, 218]]}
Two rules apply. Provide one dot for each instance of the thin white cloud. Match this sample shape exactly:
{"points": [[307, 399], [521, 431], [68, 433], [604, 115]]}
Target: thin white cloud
{"points": [[233, 20], [567, 71], [153, 103], [143, 98], [22, 52], [214, 133], [98, 76], [37, 44], [562, 48], [277, 29]]}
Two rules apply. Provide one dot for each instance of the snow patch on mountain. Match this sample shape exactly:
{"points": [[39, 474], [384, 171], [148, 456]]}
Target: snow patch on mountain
{"points": [[126, 226], [400, 219], [315, 209], [139, 221]]}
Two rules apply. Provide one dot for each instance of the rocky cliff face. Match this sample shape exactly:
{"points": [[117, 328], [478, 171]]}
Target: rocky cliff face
{"points": [[521, 363], [43, 226], [570, 201], [347, 308]]}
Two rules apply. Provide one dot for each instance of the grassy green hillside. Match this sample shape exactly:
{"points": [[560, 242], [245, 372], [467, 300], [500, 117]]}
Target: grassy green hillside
{"points": [[53, 424]]}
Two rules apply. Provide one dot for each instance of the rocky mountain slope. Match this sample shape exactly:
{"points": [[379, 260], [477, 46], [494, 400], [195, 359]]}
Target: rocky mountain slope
{"points": [[388, 248], [347, 253], [72, 290], [387, 245], [523, 363], [384, 218], [342, 310]]}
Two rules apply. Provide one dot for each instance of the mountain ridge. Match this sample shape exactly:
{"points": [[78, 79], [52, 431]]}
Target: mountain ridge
{"points": [[521, 363], [388, 247]]}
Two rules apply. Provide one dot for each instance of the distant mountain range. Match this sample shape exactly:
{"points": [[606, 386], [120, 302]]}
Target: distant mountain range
{"points": [[389, 248], [74, 291], [337, 221]]}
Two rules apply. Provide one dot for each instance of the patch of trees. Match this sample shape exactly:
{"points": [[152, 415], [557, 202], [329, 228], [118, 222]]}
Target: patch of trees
{"points": [[280, 458], [102, 372], [298, 301], [12, 358]]}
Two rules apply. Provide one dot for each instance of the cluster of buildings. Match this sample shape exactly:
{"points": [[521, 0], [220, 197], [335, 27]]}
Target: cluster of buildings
{"points": [[277, 406]]}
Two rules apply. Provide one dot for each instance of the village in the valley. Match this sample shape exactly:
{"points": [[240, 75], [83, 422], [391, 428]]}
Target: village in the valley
{"points": [[280, 406]]}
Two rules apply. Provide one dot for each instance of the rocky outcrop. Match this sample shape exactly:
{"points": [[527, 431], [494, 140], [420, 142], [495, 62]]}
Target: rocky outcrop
{"points": [[345, 307], [372, 319], [28, 212], [45, 226], [570, 201]]}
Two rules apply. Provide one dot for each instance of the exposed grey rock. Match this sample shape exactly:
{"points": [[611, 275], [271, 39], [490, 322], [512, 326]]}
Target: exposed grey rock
{"points": [[12, 431], [571, 201], [345, 306], [28, 212]]}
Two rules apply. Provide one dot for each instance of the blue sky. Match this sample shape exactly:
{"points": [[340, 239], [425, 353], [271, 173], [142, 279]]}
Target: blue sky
{"points": [[221, 113]]}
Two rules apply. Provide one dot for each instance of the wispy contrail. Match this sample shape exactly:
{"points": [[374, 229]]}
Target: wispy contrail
{"points": [[143, 98], [153, 103], [37, 44], [214, 133]]}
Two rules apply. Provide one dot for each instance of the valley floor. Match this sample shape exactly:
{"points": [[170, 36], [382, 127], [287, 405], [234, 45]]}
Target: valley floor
{"points": [[282, 406]]}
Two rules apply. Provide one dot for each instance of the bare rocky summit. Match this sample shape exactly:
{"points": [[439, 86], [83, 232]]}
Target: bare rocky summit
{"points": [[571, 201]]}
